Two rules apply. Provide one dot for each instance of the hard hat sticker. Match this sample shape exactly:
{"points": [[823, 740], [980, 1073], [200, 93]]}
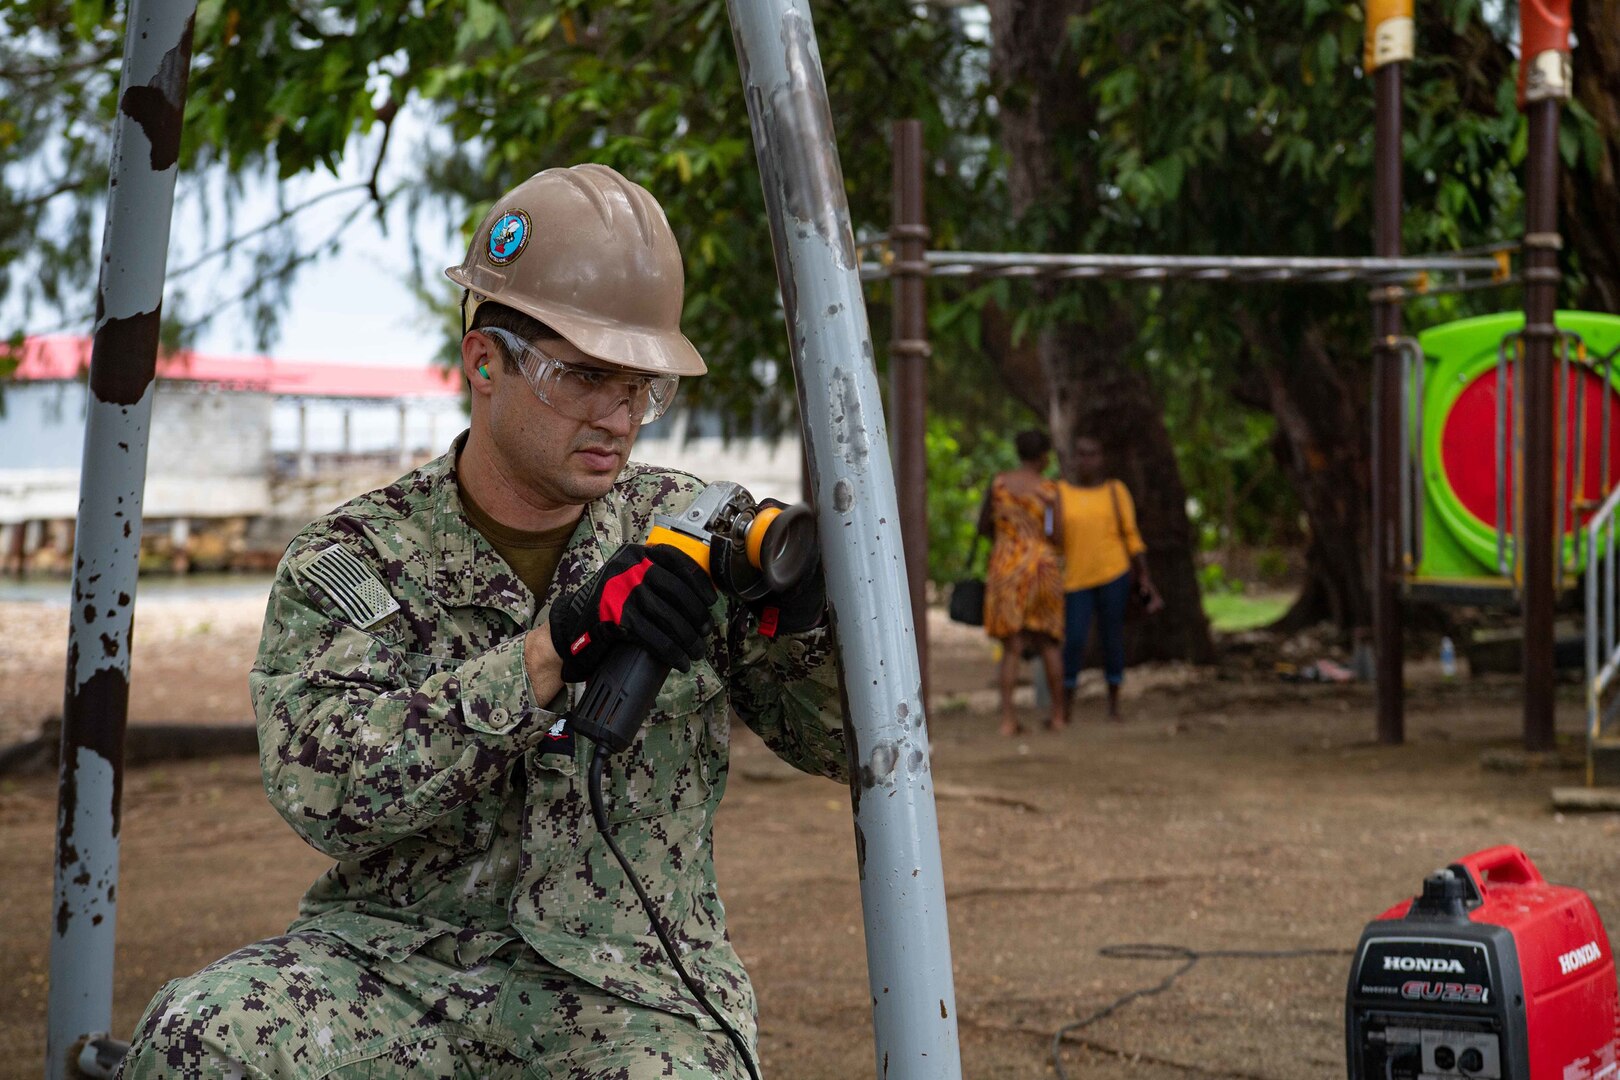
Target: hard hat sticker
{"points": [[509, 237]]}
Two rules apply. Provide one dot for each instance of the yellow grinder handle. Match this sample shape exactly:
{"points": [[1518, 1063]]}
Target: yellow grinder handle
{"points": [[690, 546]]}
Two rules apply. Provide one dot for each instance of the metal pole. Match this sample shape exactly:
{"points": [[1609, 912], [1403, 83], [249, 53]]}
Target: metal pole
{"points": [[1544, 83], [404, 459], [123, 360], [305, 468], [896, 835], [1392, 270], [1389, 44], [1540, 529], [908, 371]]}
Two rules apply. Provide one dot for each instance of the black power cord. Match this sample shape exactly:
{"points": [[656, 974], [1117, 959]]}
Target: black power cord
{"points": [[594, 784], [1189, 959]]}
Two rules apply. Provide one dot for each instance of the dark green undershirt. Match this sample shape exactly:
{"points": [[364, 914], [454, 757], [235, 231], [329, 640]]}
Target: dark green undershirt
{"points": [[533, 556]]}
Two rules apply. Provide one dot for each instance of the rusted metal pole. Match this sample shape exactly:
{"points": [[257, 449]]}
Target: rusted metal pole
{"points": [[123, 361], [1540, 529], [1544, 84], [908, 370], [1389, 45], [908, 950]]}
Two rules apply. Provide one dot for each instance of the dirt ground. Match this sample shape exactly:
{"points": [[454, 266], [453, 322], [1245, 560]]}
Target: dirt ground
{"points": [[1223, 814]]}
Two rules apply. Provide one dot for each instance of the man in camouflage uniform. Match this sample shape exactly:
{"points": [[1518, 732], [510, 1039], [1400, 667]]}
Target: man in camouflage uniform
{"points": [[422, 646]]}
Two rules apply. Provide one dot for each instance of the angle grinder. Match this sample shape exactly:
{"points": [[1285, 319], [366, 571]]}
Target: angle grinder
{"points": [[749, 550]]}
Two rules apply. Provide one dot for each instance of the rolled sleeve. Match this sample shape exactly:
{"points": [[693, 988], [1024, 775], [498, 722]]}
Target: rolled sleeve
{"points": [[497, 698]]}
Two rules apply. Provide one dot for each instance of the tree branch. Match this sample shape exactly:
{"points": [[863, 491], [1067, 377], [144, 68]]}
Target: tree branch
{"points": [[56, 71], [280, 219], [62, 188], [386, 114]]}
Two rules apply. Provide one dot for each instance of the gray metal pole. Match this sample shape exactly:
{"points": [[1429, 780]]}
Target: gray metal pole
{"points": [[908, 951], [305, 466], [908, 370], [1353, 268], [123, 360]]}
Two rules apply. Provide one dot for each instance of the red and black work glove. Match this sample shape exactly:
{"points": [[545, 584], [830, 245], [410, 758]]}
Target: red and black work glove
{"points": [[655, 597]]}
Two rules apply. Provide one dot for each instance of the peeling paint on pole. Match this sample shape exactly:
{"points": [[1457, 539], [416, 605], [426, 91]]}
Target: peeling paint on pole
{"points": [[896, 832], [123, 361]]}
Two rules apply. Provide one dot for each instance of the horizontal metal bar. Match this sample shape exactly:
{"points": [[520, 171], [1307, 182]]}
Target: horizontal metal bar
{"points": [[1408, 282], [1402, 270], [1304, 264]]}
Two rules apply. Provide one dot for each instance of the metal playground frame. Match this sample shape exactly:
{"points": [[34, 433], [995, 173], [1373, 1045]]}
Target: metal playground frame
{"points": [[852, 477]]}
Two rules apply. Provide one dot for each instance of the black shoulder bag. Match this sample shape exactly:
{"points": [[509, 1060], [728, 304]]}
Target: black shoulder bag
{"points": [[966, 604]]}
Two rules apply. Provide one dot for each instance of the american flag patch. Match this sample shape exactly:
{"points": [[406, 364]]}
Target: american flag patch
{"points": [[352, 585]]}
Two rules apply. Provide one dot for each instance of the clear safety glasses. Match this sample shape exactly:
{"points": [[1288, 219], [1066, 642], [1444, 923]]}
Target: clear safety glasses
{"points": [[587, 394]]}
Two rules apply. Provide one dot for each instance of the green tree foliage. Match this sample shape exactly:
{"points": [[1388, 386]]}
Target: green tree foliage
{"points": [[1209, 126], [649, 88], [60, 73], [1247, 128]]}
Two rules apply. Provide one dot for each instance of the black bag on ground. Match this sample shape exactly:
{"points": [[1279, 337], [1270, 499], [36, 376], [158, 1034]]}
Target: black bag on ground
{"points": [[967, 601]]}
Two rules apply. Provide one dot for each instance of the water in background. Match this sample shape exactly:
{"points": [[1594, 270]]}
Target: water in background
{"points": [[157, 589]]}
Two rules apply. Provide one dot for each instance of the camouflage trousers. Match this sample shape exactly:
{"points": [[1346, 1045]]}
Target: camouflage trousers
{"points": [[307, 1005]]}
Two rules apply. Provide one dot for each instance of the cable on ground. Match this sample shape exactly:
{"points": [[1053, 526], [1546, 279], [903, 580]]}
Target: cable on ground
{"points": [[1189, 959]]}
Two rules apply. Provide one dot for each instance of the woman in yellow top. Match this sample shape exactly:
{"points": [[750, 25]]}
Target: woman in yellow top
{"points": [[1101, 547], [1023, 589]]}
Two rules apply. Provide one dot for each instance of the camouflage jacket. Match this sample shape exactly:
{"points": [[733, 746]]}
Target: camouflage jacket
{"points": [[398, 735]]}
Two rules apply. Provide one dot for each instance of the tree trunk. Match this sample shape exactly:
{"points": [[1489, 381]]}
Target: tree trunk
{"points": [[1323, 441], [1590, 209], [1092, 386], [1097, 393]]}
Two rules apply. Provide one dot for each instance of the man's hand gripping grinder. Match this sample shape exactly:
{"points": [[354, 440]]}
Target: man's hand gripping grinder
{"points": [[749, 550]]}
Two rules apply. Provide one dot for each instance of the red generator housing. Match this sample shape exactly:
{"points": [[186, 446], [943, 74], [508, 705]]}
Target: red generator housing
{"points": [[1492, 974]]}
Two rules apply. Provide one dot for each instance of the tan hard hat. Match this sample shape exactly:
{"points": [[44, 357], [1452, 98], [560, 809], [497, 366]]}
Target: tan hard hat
{"points": [[591, 255]]}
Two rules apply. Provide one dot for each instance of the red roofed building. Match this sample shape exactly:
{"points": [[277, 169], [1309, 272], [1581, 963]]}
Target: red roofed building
{"points": [[46, 359], [263, 443], [249, 449]]}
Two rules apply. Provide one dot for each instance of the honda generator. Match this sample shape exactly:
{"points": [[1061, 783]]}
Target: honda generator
{"points": [[1492, 974]]}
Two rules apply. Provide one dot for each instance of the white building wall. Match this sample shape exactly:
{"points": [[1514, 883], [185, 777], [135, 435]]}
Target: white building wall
{"points": [[430, 424], [768, 469], [201, 435], [209, 454], [220, 454]]}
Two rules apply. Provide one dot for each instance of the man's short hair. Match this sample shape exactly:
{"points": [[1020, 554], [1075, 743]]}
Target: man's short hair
{"points": [[527, 327], [1031, 445]]}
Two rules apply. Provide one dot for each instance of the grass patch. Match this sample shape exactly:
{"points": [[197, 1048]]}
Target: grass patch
{"points": [[1229, 612]]}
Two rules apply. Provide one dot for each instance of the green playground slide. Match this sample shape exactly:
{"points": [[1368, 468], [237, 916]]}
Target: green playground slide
{"points": [[1463, 488]]}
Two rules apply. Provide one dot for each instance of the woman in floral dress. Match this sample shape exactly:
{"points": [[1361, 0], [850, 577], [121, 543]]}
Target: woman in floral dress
{"points": [[1023, 596]]}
